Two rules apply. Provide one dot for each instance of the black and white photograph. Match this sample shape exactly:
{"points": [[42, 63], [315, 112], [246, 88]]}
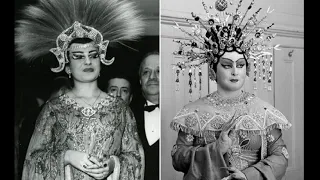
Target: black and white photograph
{"points": [[85, 69], [159, 90], [232, 89]]}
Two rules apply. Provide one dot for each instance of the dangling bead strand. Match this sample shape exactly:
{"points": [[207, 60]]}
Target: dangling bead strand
{"points": [[270, 74], [190, 85]]}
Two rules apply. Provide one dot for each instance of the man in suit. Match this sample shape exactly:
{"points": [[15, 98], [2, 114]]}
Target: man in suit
{"points": [[119, 85], [147, 113]]}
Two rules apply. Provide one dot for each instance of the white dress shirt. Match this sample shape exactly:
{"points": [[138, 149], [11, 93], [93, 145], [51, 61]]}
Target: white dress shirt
{"points": [[152, 124]]}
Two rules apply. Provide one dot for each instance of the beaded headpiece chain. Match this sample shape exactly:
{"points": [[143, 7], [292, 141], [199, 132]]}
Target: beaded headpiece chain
{"points": [[222, 32]]}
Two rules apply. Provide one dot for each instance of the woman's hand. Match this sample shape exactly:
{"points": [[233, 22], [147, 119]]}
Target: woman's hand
{"points": [[237, 174], [103, 171], [81, 160], [224, 141]]}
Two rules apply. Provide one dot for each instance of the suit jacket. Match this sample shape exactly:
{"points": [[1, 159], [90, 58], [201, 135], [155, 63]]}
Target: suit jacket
{"points": [[151, 152]]}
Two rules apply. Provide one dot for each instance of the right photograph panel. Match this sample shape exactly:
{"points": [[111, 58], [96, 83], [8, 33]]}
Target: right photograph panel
{"points": [[232, 103]]}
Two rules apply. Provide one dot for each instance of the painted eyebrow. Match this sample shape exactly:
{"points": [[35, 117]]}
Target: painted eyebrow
{"points": [[232, 60], [82, 52]]}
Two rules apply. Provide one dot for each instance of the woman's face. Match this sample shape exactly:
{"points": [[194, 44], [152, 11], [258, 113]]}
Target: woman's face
{"points": [[231, 71], [84, 62]]}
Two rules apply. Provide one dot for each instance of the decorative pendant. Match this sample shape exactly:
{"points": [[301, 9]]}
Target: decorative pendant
{"points": [[88, 111]]}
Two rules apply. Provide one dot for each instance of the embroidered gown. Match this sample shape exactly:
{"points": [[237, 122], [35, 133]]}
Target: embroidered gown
{"points": [[258, 149], [106, 130]]}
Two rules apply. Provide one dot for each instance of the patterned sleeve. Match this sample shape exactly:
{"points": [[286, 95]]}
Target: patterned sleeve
{"points": [[195, 161], [132, 154], [45, 154], [275, 162], [274, 166]]}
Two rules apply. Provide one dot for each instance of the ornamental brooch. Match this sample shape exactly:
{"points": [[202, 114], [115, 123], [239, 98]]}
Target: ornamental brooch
{"points": [[190, 138]]}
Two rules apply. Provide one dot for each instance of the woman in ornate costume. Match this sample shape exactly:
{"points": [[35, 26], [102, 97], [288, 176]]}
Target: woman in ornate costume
{"points": [[229, 134], [84, 133]]}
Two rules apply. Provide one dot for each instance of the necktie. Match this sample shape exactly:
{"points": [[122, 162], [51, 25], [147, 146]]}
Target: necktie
{"points": [[151, 107]]}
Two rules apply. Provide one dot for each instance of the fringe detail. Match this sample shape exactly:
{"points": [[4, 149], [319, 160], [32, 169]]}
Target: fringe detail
{"points": [[180, 127]]}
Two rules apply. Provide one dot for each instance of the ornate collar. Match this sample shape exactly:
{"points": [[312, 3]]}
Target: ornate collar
{"points": [[86, 111], [216, 99]]}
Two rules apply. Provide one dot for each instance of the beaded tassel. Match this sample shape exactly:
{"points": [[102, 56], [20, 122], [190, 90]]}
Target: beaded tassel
{"points": [[267, 71], [190, 84], [259, 68], [177, 80], [270, 74], [200, 74], [255, 75], [205, 7], [264, 72]]}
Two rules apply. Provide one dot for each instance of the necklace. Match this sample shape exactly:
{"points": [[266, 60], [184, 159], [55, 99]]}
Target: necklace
{"points": [[86, 101], [216, 99], [88, 111]]}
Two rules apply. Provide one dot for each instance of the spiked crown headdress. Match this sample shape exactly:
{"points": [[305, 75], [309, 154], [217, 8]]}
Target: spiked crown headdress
{"points": [[222, 32], [51, 25]]}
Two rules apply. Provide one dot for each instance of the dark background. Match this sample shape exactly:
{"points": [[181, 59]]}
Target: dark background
{"points": [[35, 80]]}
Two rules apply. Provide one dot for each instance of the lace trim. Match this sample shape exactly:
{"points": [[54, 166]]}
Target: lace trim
{"points": [[200, 133]]}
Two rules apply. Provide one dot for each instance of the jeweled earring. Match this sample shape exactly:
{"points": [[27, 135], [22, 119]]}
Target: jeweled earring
{"points": [[69, 75]]}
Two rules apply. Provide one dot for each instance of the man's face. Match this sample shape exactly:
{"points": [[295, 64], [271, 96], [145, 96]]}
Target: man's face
{"points": [[121, 88], [149, 75]]}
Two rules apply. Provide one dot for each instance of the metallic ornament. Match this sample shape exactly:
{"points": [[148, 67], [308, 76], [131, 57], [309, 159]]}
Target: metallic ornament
{"points": [[250, 23], [221, 5], [189, 138], [236, 17], [88, 111], [211, 21]]}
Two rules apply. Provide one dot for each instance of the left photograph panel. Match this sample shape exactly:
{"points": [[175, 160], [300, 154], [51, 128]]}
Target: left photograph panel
{"points": [[86, 89]]}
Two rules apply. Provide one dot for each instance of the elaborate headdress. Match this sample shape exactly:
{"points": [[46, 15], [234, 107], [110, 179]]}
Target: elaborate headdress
{"points": [[52, 24], [221, 32]]}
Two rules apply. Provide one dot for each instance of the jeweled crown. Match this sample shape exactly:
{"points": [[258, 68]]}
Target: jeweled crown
{"points": [[78, 30], [224, 32], [221, 32]]}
